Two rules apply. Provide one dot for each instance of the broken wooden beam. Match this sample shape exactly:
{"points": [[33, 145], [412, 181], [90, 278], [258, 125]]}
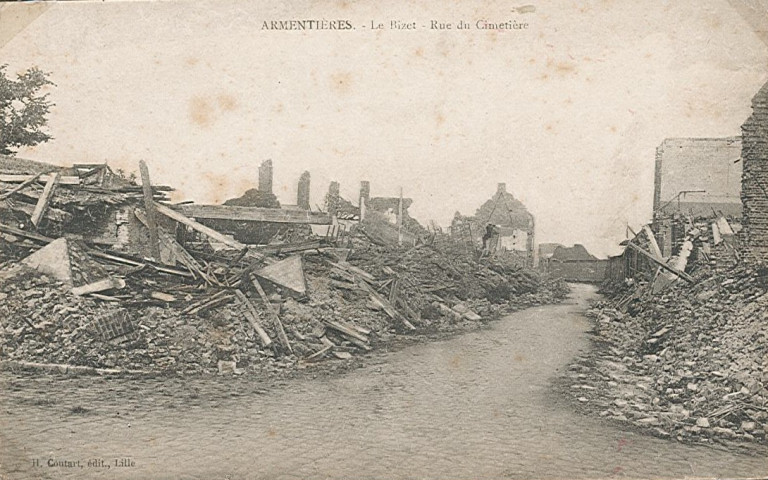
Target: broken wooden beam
{"points": [[355, 341], [343, 285], [290, 247], [319, 354], [344, 266], [45, 199], [350, 332], [215, 296], [213, 302], [68, 180], [50, 213], [99, 286], [24, 234], [393, 291], [660, 263], [126, 260], [162, 296], [254, 214], [211, 233], [21, 186], [272, 313], [179, 252], [388, 308], [253, 318], [652, 241]]}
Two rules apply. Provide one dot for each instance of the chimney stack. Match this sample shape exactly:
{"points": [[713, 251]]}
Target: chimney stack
{"points": [[501, 189], [332, 200], [302, 194], [365, 194], [265, 176]]}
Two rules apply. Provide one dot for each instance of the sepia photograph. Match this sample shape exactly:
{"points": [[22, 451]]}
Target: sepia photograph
{"points": [[347, 239]]}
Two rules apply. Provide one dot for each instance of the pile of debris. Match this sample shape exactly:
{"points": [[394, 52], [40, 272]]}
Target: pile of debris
{"points": [[104, 273], [690, 361]]}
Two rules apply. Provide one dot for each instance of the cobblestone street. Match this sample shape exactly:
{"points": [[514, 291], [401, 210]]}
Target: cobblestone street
{"points": [[480, 405]]}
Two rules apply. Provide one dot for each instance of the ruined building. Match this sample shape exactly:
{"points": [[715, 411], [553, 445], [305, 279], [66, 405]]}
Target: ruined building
{"points": [[754, 192], [383, 219], [695, 178], [517, 226]]}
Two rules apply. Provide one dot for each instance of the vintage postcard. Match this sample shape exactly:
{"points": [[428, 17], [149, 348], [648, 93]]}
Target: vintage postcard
{"points": [[348, 239]]}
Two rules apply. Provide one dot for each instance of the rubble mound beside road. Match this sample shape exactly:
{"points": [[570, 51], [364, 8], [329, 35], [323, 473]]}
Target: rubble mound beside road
{"points": [[152, 328], [691, 363]]}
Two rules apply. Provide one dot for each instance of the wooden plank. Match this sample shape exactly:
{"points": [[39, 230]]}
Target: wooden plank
{"points": [[135, 263], [275, 317], [652, 239], [384, 303], [253, 317], [149, 208], [21, 187], [50, 213], [350, 335], [45, 199], [99, 286], [254, 214], [290, 247], [354, 271], [23, 178], [215, 296], [408, 310], [346, 330], [319, 354], [178, 251], [363, 278], [394, 291], [660, 263], [174, 215], [215, 302], [25, 234]]}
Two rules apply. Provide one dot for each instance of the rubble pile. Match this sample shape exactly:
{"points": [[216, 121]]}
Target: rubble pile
{"points": [[436, 275], [84, 287], [690, 362]]}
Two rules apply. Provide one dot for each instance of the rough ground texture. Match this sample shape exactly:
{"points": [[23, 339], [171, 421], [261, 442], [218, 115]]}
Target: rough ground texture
{"points": [[480, 405], [691, 363]]}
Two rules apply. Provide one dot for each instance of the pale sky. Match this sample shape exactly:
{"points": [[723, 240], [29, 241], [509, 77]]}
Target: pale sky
{"points": [[568, 112]]}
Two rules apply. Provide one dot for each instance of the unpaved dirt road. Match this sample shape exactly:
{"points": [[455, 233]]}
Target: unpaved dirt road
{"points": [[480, 405]]}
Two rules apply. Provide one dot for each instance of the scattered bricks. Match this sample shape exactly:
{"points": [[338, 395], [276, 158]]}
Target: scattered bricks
{"points": [[703, 373]]}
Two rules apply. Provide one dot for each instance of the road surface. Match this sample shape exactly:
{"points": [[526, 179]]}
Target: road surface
{"points": [[479, 405]]}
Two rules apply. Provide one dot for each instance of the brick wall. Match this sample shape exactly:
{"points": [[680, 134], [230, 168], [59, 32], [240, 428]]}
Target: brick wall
{"points": [[754, 192]]}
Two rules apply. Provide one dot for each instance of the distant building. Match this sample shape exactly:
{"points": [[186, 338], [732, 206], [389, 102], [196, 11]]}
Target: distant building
{"points": [[576, 264], [696, 176], [516, 225], [546, 250]]}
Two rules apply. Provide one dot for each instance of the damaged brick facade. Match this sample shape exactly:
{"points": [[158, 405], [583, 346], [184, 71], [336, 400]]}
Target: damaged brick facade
{"points": [[754, 192]]}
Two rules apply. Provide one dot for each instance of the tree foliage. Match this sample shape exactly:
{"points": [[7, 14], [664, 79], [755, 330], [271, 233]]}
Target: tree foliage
{"points": [[23, 109]]}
